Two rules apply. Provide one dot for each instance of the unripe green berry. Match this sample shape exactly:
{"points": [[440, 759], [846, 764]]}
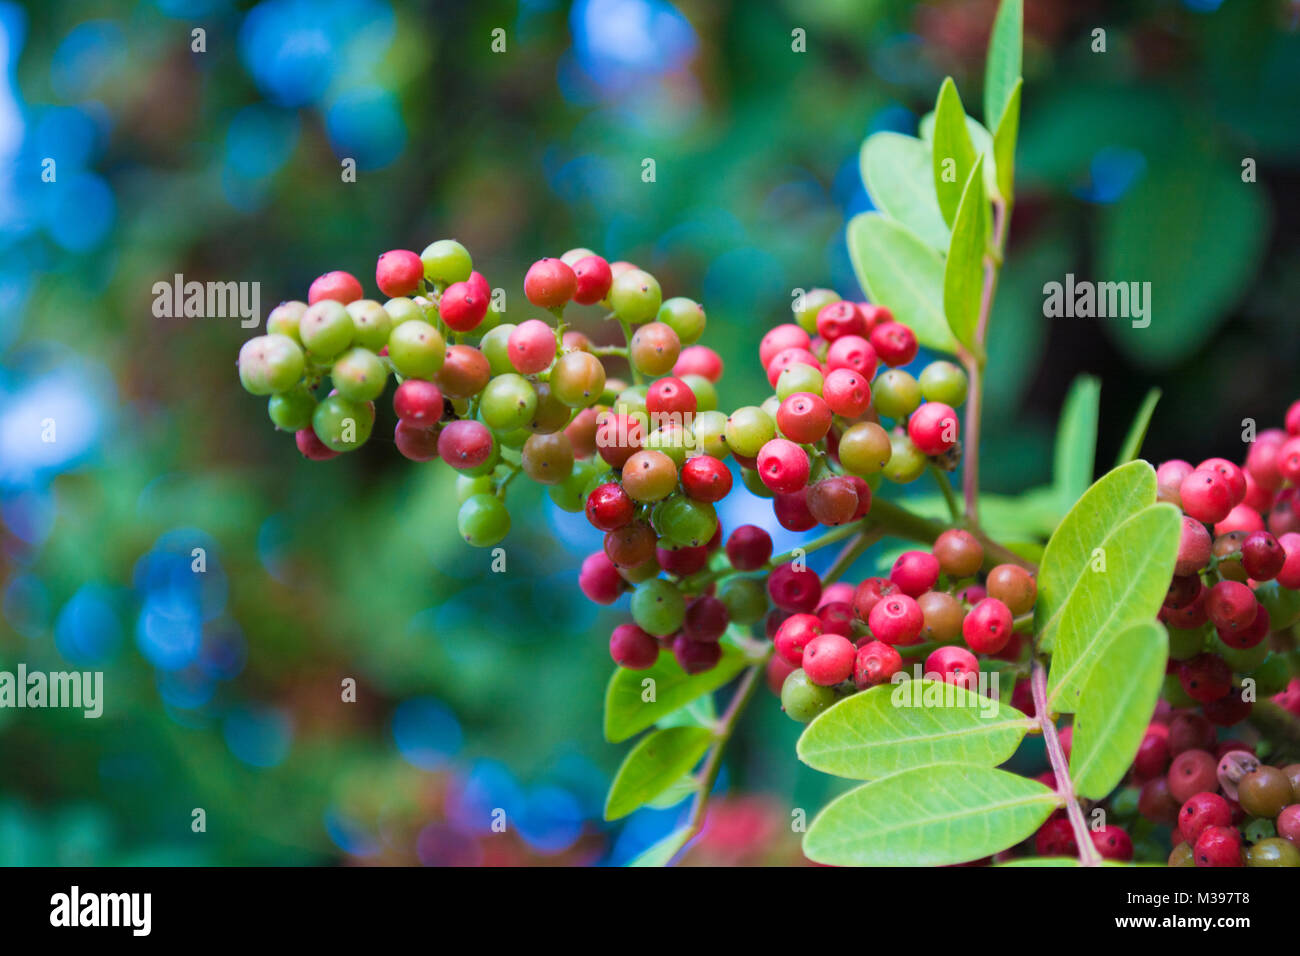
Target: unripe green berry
{"points": [[548, 459], [1272, 676], [803, 700], [568, 494], [292, 410], [906, 463], [748, 430], [745, 600], [284, 319], [417, 349], [631, 400], [446, 261], [371, 322], [806, 307], [684, 316], [1282, 604], [495, 348], [635, 296], [1172, 691], [895, 393], [508, 402], [467, 486], [798, 378], [359, 374], [671, 439], [709, 429], [683, 522], [342, 424], [865, 449], [270, 363], [706, 394], [944, 382], [771, 406], [753, 483], [1240, 659], [658, 607], [402, 309], [578, 379], [1186, 644], [326, 329], [483, 520], [514, 438]]}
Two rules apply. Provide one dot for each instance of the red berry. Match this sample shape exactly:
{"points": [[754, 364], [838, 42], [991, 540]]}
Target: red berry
{"points": [[682, 561], [1190, 731], [399, 273], [833, 501], [1193, 547], [531, 346], [1292, 419], [706, 619], [670, 397], [777, 340], [1205, 677], [631, 545], [895, 343], [1112, 843], [462, 306], [633, 648], [1201, 810], [1152, 758], [1218, 846], [847, 392], [836, 616], [1232, 474], [339, 286], [1206, 496], [550, 283], [783, 466], [618, 437], [838, 319], [1289, 576], [593, 277], [896, 619], [1191, 772], [1169, 479], [1288, 460], [416, 442], [875, 663], [794, 589], [933, 428], [465, 444], [778, 669], [792, 511], [1261, 459], [852, 352], [418, 402], [696, 657], [704, 478], [609, 507], [699, 360], [828, 659], [954, 665], [804, 418], [987, 628], [794, 635], [1262, 556], [600, 580], [311, 447], [1155, 802], [1241, 518], [749, 547], [869, 593], [1055, 838], [915, 572], [1231, 605]]}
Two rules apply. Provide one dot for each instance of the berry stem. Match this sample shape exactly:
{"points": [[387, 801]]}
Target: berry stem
{"points": [[1088, 855], [945, 486], [726, 726], [850, 553]]}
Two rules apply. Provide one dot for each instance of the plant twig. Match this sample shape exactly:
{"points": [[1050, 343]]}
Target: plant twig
{"points": [[945, 486], [1088, 854]]}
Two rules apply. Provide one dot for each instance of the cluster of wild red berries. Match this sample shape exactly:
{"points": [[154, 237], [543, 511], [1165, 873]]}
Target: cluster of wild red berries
{"points": [[1226, 806]]}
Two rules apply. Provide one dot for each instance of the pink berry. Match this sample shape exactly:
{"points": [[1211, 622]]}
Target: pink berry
{"points": [[1206, 496], [1240, 518], [599, 579], [783, 466], [550, 283], [894, 343], [786, 358], [847, 392], [1262, 556], [465, 444], [1169, 479], [828, 659], [896, 619], [1232, 474], [1289, 576], [593, 279], [462, 306], [803, 417], [915, 572], [531, 346], [1261, 459], [339, 286], [399, 273], [875, 663], [1112, 843], [699, 360], [670, 396], [633, 648], [1231, 605], [795, 634], [954, 665], [933, 428], [838, 319], [416, 442], [1205, 677], [1288, 460], [987, 628], [852, 352], [1193, 547], [1218, 846], [777, 340], [311, 447]]}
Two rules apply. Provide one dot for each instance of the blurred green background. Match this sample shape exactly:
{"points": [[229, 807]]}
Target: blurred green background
{"points": [[479, 691]]}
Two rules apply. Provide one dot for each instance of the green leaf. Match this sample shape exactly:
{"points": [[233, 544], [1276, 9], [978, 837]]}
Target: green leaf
{"points": [[661, 853], [954, 153], [929, 816], [1002, 68], [899, 176], [627, 714], [898, 270], [1114, 707], [684, 786], [876, 733], [698, 713], [963, 271], [1004, 143], [1076, 440], [1064, 861], [1125, 585], [1137, 432], [653, 765]]}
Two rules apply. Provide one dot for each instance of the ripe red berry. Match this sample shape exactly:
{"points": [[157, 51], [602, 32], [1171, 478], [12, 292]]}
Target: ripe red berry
{"points": [[896, 619], [1242, 518], [399, 273], [1193, 547], [847, 392], [706, 619], [1231, 473], [696, 657], [783, 466], [804, 418], [1112, 843], [954, 665], [550, 283], [1262, 556], [311, 447], [875, 663], [869, 593], [1191, 772], [670, 397], [894, 343], [1288, 460], [838, 319], [531, 346], [682, 561], [793, 588], [1201, 810], [465, 444], [794, 635], [600, 580], [792, 511], [1289, 576], [833, 501], [1155, 802], [704, 478], [633, 648], [933, 428], [618, 437], [609, 507], [462, 306], [1228, 711], [1190, 731], [1206, 496], [828, 659], [852, 352], [340, 286], [699, 360], [418, 402], [1218, 846], [836, 616], [1261, 459], [1231, 605], [1152, 758], [1205, 677], [749, 547], [593, 277], [1055, 838], [987, 628], [915, 572], [777, 340], [631, 545], [416, 442]]}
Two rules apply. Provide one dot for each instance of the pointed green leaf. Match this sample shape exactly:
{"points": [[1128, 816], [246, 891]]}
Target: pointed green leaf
{"points": [[898, 270], [1115, 704], [899, 177], [963, 271], [882, 731], [980, 138], [632, 704], [1076, 440], [954, 154], [929, 816], [662, 853], [1124, 584], [653, 765], [1002, 68], [1004, 143], [1117, 496], [1137, 432]]}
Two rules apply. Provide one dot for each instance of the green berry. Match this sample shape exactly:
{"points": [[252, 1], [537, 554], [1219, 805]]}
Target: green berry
{"points": [[807, 306], [798, 378], [372, 323], [342, 424], [446, 261], [684, 316], [284, 319], [635, 296], [551, 414], [359, 374], [578, 379], [631, 400], [402, 309], [508, 402], [326, 329], [1173, 692], [270, 363], [671, 439], [1184, 645], [658, 607], [483, 520], [709, 431], [1272, 675], [895, 393], [417, 349], [468, 486], [1282, 604], [495, 348], [865, 449], [706, 395], [944, 382], [906, 463], [803, 700], [683, 522], [745, 600], [1240, 659], [748, 430], [292, 410], [753, 482], [547, 459], [514, 438], [568, 494]]}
